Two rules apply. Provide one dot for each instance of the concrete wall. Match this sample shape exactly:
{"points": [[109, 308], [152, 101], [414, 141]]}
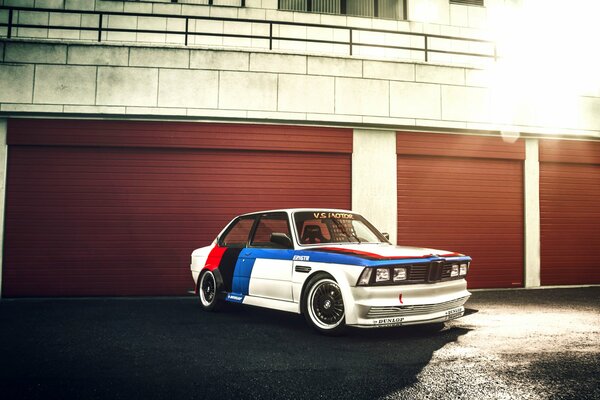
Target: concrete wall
{"points": [[532, 214], [456, 15], [150, 18], [198, 83], [425, 11], [374, 184]]}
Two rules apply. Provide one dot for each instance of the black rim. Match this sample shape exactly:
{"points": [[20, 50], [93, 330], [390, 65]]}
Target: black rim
{"points": [[208, 287], [328, 304]]}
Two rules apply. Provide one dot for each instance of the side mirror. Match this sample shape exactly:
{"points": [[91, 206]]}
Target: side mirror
{"points": [[386, 235], [281, 239]]}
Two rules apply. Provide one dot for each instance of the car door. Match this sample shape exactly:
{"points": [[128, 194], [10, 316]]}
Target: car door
{"points": [[266, 265], [234, 240]]}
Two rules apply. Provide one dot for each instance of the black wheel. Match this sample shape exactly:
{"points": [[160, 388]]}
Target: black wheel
{"points": [[323, 305], [207, 291]]}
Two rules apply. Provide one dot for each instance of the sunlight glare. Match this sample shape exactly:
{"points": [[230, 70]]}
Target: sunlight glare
{"points": [[548, 59]]}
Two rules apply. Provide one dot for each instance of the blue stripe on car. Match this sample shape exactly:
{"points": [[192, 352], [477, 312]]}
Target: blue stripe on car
{"points": [[241, 274], [243, 269], [245, 263]]}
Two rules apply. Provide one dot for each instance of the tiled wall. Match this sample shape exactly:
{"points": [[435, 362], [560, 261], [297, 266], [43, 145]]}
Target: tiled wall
{"points": [[105, 79]]}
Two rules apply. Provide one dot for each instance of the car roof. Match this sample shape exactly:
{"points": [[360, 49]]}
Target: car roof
{"points": [[293, 210]]}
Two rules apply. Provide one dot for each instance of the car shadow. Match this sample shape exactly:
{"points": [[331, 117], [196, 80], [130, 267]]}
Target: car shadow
{"points": [[170, 348], [362, 364]]}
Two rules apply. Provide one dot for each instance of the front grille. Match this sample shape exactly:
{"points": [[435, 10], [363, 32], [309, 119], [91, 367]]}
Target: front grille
{"points": [[420, 309], [431, 272], [447, 271], [418, 273]]}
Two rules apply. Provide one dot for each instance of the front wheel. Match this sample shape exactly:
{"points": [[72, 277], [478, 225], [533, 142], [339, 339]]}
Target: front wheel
{"points": [[323, 305], [207, 291]]}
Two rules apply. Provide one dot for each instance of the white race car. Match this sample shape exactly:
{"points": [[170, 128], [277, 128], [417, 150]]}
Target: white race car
{"points": [[332, 266]]}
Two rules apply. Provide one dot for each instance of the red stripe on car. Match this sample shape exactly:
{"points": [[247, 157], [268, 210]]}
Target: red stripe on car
{"points": [[214, 258]]}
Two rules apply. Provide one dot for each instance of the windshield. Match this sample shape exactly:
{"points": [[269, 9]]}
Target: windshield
{"points": [[322, 227]]}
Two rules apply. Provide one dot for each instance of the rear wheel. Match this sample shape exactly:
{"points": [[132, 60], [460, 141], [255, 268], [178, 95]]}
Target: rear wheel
{"points": [[323, 305], [207, 291]]}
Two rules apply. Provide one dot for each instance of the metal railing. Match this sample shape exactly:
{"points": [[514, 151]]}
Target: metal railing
{"points": [[428, 45]]}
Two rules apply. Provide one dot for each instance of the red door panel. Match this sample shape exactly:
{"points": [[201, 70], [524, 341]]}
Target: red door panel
{"points": [[570, 223], [469, 205], [86, 221]]}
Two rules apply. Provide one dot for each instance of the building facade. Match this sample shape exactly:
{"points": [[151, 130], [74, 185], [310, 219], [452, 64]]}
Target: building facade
{"points": [[133, 131]]}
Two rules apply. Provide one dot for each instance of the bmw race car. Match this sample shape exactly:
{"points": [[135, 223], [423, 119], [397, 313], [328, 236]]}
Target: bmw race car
{"points": [[332, 266]]}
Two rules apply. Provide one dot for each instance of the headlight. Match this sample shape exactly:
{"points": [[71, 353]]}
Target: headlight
{"points": [[382, 275], [463, 269], [454, 270], [365, 277], [399, 274]]}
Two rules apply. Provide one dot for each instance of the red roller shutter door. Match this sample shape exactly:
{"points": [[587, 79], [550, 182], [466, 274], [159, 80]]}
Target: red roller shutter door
{"points": [[569, 212], [115, 208], [465, 194]]}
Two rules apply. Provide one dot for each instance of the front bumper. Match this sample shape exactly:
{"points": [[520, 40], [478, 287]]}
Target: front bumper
{"points": [[398, 305]]}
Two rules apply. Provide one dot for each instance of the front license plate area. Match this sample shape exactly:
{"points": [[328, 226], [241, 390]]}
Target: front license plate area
{"points": [[455, 313]]}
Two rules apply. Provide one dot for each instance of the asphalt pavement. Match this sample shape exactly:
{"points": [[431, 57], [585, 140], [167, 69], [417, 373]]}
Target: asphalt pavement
{"points": [[514, 344]]}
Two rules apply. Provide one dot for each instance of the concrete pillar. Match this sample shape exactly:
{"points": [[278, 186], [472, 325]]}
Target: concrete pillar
{"points": [[374, 184], [532, 213], [3, 153]]}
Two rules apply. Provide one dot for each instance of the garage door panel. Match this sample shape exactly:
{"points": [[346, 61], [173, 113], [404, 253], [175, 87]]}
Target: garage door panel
{"points": [[507, 194], [466, 216], [470, 205], [459, 162], [487, 241], [437, 145], [231, 169], [468, 209], [570, 219], [448, 179], [123, 221], [52, 132]]}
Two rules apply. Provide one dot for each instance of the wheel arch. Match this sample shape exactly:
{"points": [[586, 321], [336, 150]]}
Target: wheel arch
{"points": [[343, 281], [218, 278]]}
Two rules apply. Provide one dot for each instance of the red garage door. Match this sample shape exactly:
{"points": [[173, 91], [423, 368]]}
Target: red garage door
{"points": [[115, 208], [569, 212], [465, 194]]}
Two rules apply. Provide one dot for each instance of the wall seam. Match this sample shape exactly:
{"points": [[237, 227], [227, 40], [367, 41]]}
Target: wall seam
{"points": [[276, 94], [390, 99], [219, 88], [96, 87], [33, 84], [157, 86], [334, 94]]}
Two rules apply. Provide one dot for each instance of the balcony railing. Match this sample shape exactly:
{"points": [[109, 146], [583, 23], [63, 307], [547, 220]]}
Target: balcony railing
{"points": [[221, 32]]}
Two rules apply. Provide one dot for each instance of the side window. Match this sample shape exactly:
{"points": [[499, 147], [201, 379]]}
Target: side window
{"points": [[237, 235], [267, 225]]}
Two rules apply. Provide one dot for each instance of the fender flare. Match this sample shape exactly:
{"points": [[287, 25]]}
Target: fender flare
{"points": [[218, 277]]}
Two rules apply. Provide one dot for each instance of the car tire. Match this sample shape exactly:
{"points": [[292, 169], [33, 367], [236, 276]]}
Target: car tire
{"points": [[208, 291], [323, 305]]}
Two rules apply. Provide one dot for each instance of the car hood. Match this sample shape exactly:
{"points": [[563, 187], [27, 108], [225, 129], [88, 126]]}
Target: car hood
{"points": [[384, 251]]}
